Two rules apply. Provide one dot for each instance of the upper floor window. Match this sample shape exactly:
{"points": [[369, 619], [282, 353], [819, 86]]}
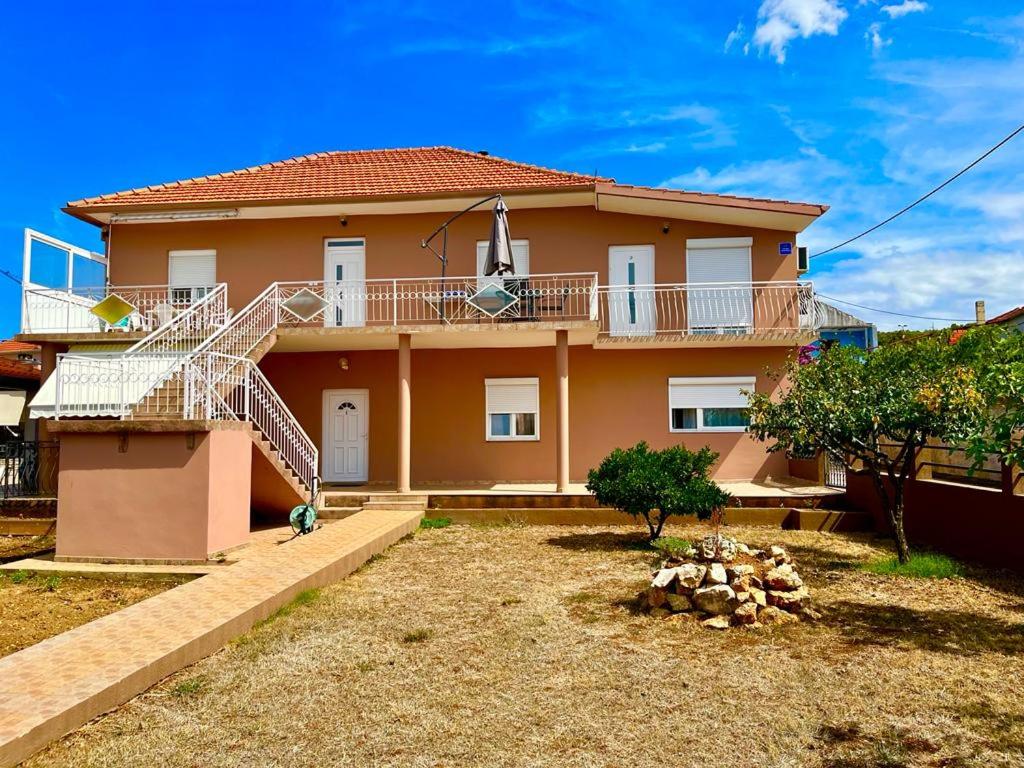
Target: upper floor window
{"points": [[719, 297], [709, 403], [513, 409], [191, 275]]}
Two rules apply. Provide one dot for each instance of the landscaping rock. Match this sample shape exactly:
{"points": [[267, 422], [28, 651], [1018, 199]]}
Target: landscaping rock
{"points": [[746, 614], [783, 577], [716, 622], [718, 548], [656, 597], [742, 584], [690, 575], [716, 575], [788, 600], [739, 571], [758, 597], [663, 578], [777, 553], [661, 613], [742, 597], [774, 615], [678, 603], [806, 612], [718, 599]]}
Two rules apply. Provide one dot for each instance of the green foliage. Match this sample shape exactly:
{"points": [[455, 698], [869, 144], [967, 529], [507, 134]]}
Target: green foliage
{"points": [[922, 565], [435, 522], [20, 577], [672, 546], [655, 485], [189, 686], [52, 582], [1001, 380], [876, 409]]}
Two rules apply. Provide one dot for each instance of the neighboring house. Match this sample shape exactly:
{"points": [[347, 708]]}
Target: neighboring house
{"points": [[1014, 318], [292, 314], [842, 327], [19, 381]]}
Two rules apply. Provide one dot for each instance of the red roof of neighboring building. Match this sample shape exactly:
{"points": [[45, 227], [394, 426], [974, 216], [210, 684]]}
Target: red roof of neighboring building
{"points": [[383, 173], [18, 370], [1010, 315], [358, 173], [17, 346]]}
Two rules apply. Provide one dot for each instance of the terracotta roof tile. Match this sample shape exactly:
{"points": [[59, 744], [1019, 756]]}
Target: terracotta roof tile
{"points": [[1009, 315], [359, 173], [17, 346], [17, 370]]}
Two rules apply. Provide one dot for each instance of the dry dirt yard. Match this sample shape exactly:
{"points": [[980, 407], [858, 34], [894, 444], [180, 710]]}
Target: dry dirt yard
{"points": [[522, 646], [34, 607]]}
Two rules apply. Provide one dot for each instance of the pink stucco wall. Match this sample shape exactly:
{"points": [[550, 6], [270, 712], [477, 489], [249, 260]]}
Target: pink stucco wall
{"points": [[157, 499]]}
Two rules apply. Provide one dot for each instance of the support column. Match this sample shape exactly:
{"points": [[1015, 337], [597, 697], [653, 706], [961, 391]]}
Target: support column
{"points": [[47, 457], [562, 374], [404, 412]]}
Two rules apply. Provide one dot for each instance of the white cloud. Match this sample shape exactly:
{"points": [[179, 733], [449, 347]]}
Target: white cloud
{"points": [[735, 36], [649, 148], [874, 36], [782, 21], [904, 8]]}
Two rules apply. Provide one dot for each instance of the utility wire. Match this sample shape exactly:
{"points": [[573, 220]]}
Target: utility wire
{"points": [[950, 180], [890, 312], [5, 273]]}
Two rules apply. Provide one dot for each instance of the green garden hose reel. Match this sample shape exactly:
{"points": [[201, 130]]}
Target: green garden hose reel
{"points": [[303, 517]]}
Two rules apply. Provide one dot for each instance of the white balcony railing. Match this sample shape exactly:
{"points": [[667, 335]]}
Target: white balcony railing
{"points": [[145, 307], [701, 309], [433, 300]]}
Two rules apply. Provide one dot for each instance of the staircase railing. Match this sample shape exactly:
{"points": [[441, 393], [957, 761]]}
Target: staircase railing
{"points": [[228, 387], [115, 385]]}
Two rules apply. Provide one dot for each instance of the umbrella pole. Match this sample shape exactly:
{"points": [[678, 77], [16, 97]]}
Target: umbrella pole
{"points": [[444, 271]]}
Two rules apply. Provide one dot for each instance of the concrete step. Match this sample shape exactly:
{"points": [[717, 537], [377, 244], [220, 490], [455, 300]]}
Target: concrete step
{"points": [[394, 504], [337, 513], [337, 499]]}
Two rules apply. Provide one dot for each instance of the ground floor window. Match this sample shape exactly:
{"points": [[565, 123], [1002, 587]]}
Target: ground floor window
{"points": [[513, 411], [709, 404]]}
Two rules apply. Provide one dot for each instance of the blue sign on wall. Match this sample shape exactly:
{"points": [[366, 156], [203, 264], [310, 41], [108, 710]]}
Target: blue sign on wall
{"points": [[785, 249]]}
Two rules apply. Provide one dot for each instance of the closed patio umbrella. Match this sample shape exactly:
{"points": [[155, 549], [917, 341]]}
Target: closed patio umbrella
{"points": [[499, 249]]}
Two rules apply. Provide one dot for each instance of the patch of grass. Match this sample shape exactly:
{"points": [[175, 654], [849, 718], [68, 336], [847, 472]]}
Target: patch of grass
{"points": [[582, 597], [435, 522], [188, 687], [923, 565], [673, 546], [366, 666], [418, 635], [511, 601], [20, 577], [52, 582], [305, 597]]}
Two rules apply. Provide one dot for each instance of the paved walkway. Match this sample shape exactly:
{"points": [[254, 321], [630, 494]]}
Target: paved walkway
{"points": [[53, 687]]}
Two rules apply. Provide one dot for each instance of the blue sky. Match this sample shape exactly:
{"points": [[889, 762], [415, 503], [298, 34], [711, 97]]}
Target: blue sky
{"points": [[861, 104]]}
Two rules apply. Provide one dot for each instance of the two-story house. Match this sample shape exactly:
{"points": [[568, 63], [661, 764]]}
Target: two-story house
{"points": [[249, 331]]}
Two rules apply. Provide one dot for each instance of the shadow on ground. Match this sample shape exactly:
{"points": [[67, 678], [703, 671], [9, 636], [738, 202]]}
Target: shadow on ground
{"points": [[608, 541], [943, 631]]}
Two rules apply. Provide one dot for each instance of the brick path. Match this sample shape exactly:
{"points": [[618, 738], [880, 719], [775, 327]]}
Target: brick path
{"points": [[53, 687]]}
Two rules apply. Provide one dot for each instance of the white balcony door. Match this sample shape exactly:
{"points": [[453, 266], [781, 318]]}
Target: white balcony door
{"points": [[727, 306], [346, 435], [631, 308], [345, 282]]}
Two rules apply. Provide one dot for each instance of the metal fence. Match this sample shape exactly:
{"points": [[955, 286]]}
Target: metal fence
{"points": [[28, 468]]}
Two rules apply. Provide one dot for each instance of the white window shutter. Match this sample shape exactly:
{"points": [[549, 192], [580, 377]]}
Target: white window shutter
{"points": [[512, 395], [188, 269], [710, 392], [520, 254]]}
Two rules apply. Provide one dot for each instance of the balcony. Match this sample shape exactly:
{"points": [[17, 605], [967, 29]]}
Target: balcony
{"points": [[130, 310], [711, 314]]}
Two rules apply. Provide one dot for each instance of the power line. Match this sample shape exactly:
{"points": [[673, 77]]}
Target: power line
{"points": [[890, 312], [5, 273], [921, 199]]}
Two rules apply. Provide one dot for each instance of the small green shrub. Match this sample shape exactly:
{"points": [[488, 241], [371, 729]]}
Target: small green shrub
{"points": [[655, 484], [188, 687], [417, 636], [673, 546], [435, 522], [52, 582], [20, 577], [922, 565]]}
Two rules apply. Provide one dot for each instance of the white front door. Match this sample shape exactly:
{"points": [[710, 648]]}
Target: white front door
{"points": [[346, 435], [631, 309], [345, 282]]}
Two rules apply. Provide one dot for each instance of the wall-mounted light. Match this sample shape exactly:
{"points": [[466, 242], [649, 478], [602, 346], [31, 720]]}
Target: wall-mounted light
{"points": [[665, 228], [344, 221], [343, 363]]}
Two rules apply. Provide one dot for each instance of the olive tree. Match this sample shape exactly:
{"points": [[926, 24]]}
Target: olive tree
{"points": [[656, 484], [875, 410]]}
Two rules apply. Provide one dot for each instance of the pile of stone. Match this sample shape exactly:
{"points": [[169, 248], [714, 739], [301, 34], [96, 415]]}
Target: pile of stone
{"points": [[727, 583]]}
